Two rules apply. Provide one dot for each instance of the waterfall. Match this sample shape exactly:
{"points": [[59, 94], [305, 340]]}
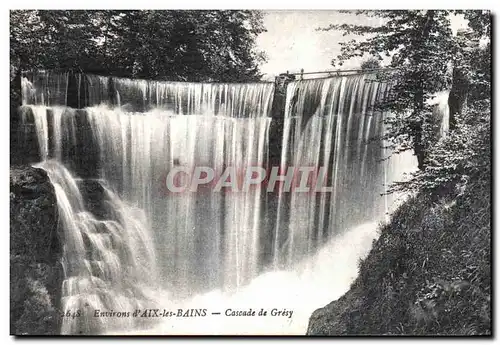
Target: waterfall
{"points": [[136, 238], [441, 112], [45, 88], [204, 238], [199, 240], [106, 262], [333, 123], [231, 100]]}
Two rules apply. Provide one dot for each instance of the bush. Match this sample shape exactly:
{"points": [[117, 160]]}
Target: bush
{"points": [[428, 273], [461, 154]]}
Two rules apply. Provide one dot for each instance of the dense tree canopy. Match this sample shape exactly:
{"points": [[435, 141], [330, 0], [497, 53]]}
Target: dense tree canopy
{"points": [[173, 45]]}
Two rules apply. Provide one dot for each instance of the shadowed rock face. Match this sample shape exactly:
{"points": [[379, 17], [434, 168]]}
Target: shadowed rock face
{"points": [[331, 319], [35, 251], [95, 198]]}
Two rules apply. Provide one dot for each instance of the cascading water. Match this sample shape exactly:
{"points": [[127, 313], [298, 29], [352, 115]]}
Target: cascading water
{"points": [[332, 123], [171, 249], [441, 112], [106, 262], [203, 239]]}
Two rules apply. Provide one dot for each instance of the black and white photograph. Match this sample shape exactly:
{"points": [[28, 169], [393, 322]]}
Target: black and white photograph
{"points": [[250, 172]]}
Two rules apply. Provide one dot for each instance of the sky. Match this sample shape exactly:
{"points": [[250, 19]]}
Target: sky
{"points": [[292, 41]]}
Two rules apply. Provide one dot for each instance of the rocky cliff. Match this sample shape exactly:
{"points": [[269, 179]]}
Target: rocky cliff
{"points": [[35, 252]]}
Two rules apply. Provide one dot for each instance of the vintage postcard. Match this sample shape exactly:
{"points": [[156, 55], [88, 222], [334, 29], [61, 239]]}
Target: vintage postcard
{"points": [[250, 172]]}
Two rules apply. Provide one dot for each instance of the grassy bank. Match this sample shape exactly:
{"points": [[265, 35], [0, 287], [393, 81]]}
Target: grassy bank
{"points": [[428, 273]]}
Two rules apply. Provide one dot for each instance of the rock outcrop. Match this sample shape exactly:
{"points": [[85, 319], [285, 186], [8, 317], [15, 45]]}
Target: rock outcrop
{"points": [[35, 252]]}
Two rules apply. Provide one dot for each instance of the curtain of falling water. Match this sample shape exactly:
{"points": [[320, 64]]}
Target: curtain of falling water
{"points": [[204, 239], [332, 123], [45, 87], [108, 262]]}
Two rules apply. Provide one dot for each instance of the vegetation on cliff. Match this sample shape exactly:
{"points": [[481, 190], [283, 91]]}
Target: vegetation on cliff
{"points": [[428, 273]]}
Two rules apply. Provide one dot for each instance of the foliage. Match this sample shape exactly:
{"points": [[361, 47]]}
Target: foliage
{"points": [[370, 63], [429, 273], [173, 45], [463, 153], [479, 21]]}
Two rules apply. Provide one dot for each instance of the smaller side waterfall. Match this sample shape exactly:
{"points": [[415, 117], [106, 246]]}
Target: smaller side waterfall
{"points": [[107, 260], [441, 112]]}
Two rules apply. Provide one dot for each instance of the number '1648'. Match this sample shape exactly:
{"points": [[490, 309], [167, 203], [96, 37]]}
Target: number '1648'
{"points": [[71, 314]]}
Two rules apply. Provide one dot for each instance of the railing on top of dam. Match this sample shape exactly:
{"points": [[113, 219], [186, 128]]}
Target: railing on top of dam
{"points": [[337, 72]]}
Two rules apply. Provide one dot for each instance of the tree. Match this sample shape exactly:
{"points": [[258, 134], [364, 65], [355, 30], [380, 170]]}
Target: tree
{"points": [[465, 152], [471, 64], [426, 58], [168, 45], [420, 45]]}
